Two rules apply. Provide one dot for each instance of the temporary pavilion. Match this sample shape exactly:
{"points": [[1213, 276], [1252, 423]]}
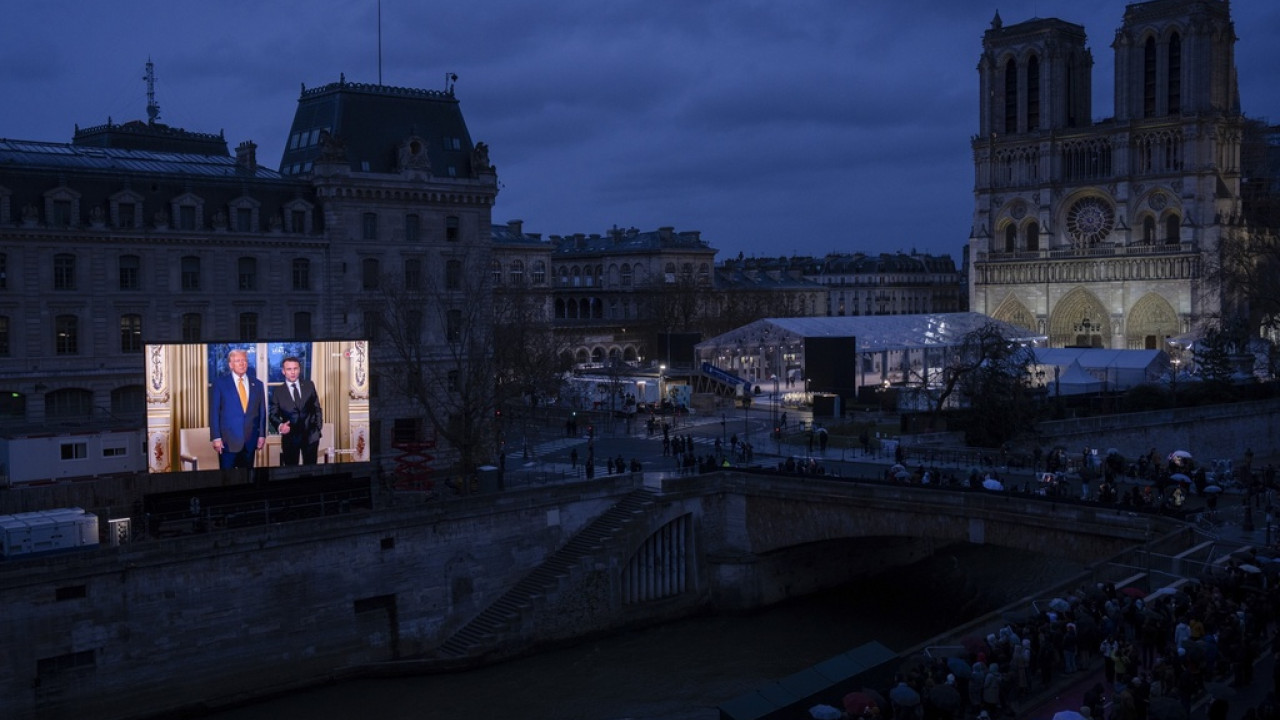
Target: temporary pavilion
{"points": [[1076, 371], [871, 350]]}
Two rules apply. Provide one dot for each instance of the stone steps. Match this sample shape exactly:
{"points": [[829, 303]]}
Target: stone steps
{"points": [[486, 631]]}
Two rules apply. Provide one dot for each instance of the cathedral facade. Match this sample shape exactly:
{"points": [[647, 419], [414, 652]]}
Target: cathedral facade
{"points": [[1106, 233]]}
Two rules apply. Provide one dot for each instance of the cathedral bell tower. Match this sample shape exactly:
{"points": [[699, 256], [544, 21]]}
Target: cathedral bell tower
{"points": [[1102, 233]]}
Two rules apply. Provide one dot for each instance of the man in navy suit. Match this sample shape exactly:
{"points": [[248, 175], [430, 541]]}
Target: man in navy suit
{"points": [[296, 415], [237, 414]]}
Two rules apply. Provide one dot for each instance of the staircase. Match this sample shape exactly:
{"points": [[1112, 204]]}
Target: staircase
{"points": [[492, 627]]}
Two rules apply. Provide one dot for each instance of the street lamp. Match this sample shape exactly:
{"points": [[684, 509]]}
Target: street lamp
{"points": [[662, 387]]}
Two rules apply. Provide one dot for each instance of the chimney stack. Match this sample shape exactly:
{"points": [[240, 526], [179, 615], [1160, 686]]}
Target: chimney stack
{"points": [[247, 155]]}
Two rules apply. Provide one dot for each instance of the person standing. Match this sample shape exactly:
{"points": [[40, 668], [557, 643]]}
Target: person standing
{"points": [[296, 414], [237, 414]]}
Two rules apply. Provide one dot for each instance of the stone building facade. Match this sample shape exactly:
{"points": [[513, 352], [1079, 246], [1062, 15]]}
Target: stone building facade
{"points": [[1106, 233], [142, 233]]}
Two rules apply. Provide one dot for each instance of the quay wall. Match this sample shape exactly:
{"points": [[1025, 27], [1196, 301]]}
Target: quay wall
{"points": [[235, 614]]}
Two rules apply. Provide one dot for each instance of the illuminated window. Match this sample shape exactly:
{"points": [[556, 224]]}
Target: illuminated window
{"points": [[131, 333]]}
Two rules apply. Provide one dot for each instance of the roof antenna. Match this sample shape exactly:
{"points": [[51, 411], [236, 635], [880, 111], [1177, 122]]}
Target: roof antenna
{"points": [[153, 110], [449, 80]]}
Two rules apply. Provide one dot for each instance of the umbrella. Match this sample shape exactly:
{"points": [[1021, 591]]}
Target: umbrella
{"points": [[1059, 604], [1165, 708], [877, 697], [898, 467], [902, 474], [1212, 489], [1133, 592], [959, 667], [992, 484], [1179, 477], [904, 695], [1067, 715], [1251, 569], [855, 703], [1180, 454], [824, 712]]}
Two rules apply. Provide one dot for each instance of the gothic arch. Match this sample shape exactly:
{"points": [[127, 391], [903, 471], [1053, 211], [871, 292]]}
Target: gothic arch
{"points": [[1150, 321], [1079, 318], [1012, 311]]}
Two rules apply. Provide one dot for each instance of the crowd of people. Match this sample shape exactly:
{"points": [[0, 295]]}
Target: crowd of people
{"points": [[1159, 654]]}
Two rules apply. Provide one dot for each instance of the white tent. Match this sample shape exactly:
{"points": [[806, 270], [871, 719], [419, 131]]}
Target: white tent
{"points": [[1076, 381], [1113, 369]]}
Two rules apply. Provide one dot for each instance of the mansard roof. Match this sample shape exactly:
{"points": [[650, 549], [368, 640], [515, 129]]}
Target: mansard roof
{"points": [[374, 121]]}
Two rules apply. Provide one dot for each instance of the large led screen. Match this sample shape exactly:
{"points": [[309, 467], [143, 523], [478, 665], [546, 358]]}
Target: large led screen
{"points": [[242, 405]]}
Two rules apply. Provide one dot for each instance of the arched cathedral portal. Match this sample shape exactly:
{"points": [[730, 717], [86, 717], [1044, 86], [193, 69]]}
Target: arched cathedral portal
{"points": [[1150, 321], [1080, 320]]}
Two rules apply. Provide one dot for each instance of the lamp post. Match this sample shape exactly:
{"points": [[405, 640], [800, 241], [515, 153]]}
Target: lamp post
{"points": [[662, 386]]}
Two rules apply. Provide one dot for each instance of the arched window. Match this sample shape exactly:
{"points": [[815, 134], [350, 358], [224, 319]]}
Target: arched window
{"points": [[624, 275], [1175, 74], [1148, 229], [1172, 230], [495, 271], [539, 275], [1032, 236], [1033, 93], [517, 272], [1010, 238], [1149, 78], [1010, 97]]}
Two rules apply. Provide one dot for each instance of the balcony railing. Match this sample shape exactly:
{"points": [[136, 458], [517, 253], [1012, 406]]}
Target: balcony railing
{"points": [[1097, 251]]}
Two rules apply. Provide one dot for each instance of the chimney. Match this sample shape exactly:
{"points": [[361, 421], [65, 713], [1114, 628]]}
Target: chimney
{"points": [[515, 227], [247, 156], [664, 233]]}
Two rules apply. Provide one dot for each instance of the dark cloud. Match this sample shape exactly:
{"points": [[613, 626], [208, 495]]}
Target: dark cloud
{"points": [[808, 126]]}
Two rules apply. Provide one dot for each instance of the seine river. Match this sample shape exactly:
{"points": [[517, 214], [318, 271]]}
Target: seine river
{"points": [[685, 669]]}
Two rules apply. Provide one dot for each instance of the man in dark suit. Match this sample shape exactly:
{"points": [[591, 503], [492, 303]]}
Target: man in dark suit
{"points": [[237, 414], [296, 415]]}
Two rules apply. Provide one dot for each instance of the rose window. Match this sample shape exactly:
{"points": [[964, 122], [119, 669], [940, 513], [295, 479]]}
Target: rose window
{"points": [[1089, 221]]}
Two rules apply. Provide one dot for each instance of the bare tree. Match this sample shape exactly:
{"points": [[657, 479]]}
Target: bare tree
{"points": [[990, 372], [530, 358], [439, 329]]}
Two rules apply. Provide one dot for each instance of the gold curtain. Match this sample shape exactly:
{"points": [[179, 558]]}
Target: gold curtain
{"points": [[189, 380], [328, 372]]}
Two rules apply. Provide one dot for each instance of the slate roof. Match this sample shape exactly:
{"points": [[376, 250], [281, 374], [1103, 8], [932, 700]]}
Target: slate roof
{"points": [[59, 157]]}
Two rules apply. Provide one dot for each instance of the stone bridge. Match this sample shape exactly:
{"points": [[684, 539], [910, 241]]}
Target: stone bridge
{"points": [[237, 613]]}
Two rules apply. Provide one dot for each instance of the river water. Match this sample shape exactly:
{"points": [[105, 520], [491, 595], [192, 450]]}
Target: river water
{"points": [[683, 670]]}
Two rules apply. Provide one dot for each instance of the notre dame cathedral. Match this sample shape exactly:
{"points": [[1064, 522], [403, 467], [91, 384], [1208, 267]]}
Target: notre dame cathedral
{"points": [[1106, 233]]}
